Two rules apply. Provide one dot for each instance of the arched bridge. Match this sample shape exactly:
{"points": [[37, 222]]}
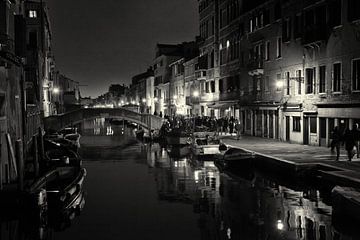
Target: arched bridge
{"points": [[61, 121]]}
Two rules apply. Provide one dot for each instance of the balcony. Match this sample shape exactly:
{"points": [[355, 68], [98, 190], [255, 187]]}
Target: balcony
{"points": [[7, 49], [256, 66], [200, 74]]}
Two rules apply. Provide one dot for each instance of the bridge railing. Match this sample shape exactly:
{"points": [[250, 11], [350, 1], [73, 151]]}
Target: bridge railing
{"points": [[61, 121]]}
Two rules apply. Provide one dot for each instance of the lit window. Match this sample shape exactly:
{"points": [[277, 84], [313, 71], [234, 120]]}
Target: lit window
{"points": [[32, 14]]}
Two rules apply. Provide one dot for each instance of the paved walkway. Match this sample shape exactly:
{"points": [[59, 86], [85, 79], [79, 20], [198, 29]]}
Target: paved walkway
{"points": [[294, 152]]}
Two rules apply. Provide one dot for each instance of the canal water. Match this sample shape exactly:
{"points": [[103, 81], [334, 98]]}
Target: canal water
{"points": [[144, 191]]}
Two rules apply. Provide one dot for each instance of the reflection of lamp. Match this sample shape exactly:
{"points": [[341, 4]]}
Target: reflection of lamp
{"points": [[122, 102], [133, 102], [279, 225]]}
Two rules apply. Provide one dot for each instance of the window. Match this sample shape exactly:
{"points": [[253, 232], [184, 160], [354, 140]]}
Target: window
{"points": [[277, 11], [286, 30], [322, 75], [251, 27], [278, 52], [298, 28], [353, 10], [221, 85], [212, 83], [335, 13], [267, 83], [33, 39], [32, 14], [287, 75], [356, 75], [313, 125], [337, 77], [207, 87], [299, 80], [267, 51], [296, 124], [309, 87]]}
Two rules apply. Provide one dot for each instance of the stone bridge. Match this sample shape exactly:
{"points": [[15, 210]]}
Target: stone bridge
{"points": [[60, 121]]}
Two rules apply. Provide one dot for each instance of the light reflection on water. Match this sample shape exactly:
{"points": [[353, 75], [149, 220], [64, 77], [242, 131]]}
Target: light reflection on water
{"points": [[145, 191]]}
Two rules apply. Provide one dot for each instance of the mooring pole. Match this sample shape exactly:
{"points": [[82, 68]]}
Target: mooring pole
{"points": [[20, 163], [36, 156]]}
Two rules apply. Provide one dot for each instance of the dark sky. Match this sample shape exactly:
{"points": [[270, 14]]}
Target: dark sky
{"points": [[108, 41]]}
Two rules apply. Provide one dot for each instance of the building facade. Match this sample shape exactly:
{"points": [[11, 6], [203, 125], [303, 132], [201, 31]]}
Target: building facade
{"points": [[287, 69]]}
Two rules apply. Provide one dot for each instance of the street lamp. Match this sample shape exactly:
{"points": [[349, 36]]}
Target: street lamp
{"points": [[196, 93], [56, 90], [144, 100], [155, 99], [175, 97]]}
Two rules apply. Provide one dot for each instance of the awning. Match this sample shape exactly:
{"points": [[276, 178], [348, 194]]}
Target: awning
{"points": [[220, 105]]}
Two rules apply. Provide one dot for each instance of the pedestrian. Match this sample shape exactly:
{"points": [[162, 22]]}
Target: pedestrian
{"points": [[336, 137], [225, 125], [349, 139], [220, 125], [357, 139], [231, 126], [238, 129]]}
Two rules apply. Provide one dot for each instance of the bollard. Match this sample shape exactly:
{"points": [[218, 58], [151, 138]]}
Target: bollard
{"points": [[36, 156], [20, 163]]}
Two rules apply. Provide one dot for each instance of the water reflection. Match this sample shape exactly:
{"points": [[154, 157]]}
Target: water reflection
{"points": [[18, 224], [230, 206]]}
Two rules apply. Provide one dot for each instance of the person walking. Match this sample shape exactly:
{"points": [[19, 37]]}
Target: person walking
{"points": [[336, 137], [357, 139], [349, 139], [231, 126], [238, 129]]}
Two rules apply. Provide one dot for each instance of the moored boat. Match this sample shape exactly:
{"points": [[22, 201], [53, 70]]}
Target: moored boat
{"points": [[205, 147], [63, 186], [234, 159]]}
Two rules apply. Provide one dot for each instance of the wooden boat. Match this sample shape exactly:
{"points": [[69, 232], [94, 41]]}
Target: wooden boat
{"points": [[177, 137], [63, 186], [74, 138], [234, 159], [61, 157], [205, 147]]}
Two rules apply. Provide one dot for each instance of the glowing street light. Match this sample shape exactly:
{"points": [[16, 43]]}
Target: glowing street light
{"points": [[196, 93], [156, 99], [279, 84], [279, 225], [175, 97], [56, 90], [144, 100]]}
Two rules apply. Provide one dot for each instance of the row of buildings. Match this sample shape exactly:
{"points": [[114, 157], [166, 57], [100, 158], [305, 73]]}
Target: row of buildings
{"points": [[30, 86], [287, 69]]}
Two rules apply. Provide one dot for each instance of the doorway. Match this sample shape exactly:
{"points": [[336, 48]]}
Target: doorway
{"points": [[287, 120], [306, 131]]}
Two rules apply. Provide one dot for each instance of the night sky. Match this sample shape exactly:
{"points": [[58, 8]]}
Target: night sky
{"points": [[102, 42]]}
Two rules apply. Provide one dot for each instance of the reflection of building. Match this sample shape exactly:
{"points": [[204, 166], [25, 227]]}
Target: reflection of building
{"points": [[262, 208]]}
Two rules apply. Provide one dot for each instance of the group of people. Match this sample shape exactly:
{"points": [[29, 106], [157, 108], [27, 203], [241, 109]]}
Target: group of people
{"points": [[221, 126], [349, 138]]}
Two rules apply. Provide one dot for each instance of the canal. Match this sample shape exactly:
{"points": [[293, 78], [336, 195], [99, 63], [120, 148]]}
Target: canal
{"points": [[144, 191]]}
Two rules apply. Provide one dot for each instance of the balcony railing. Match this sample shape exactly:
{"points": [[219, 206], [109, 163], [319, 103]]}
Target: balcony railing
{"points": [[256, 66], [200, 74], [6, 43]]}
